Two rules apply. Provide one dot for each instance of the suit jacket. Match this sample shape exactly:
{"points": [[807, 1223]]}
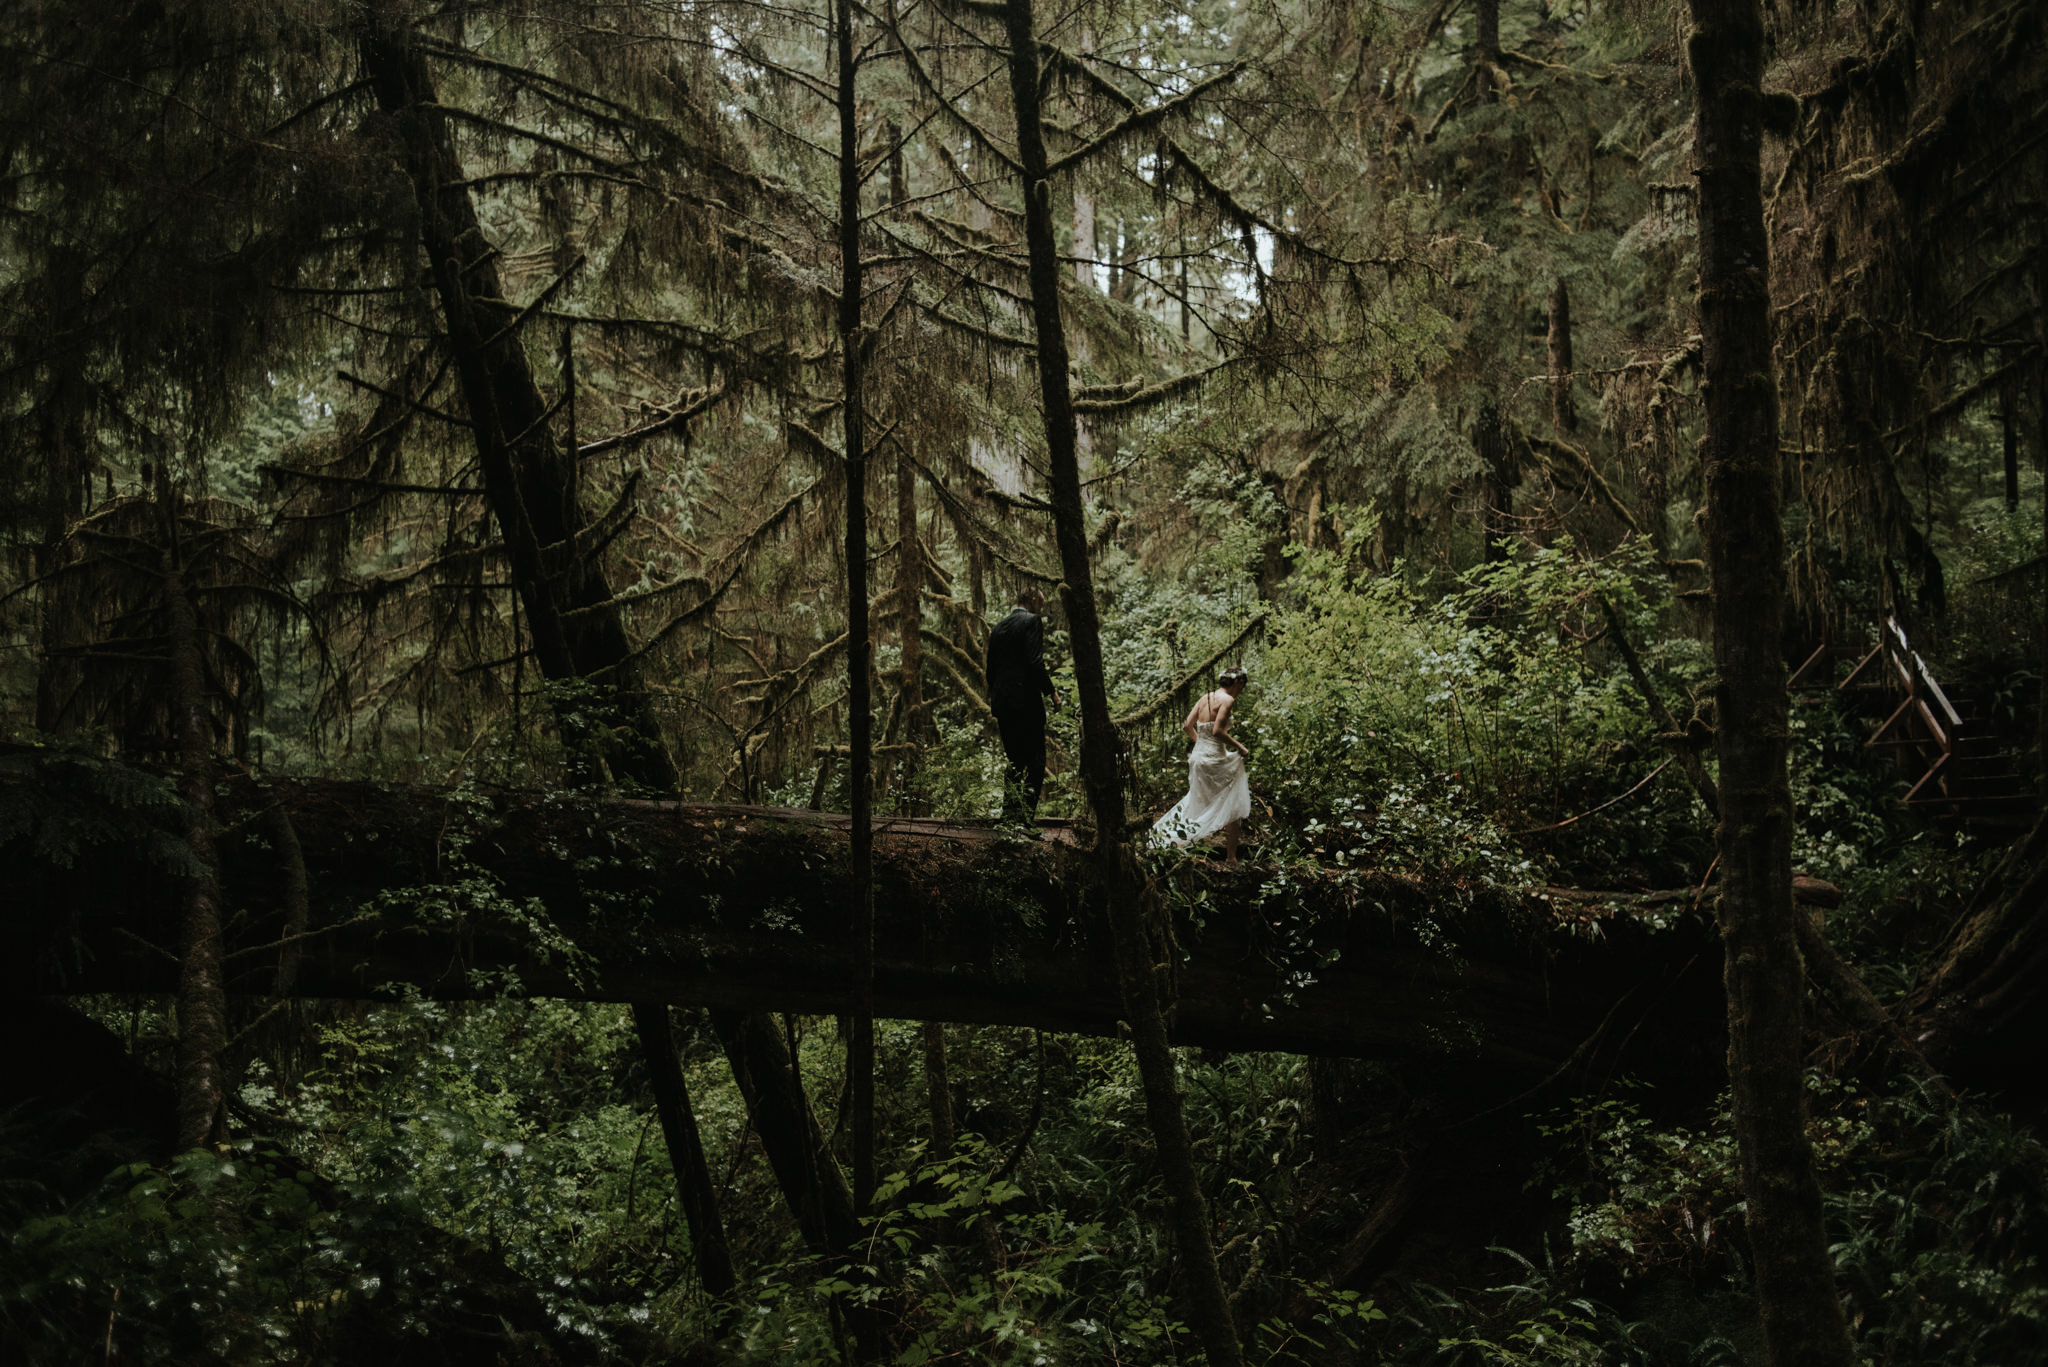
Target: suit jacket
{"points": [[1018, 680]]}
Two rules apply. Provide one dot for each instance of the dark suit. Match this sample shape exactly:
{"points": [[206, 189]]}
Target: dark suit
{"points": [[1018, 685]]}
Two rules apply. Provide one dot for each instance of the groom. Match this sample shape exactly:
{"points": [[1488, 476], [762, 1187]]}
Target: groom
{"points": [[1018, 684]]}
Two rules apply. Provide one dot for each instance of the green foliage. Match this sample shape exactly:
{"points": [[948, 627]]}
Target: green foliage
{"points": [[205, 1261], [1417, 729], [435, 1106], [246, 1259], [1935, 1208], [961, 775], [72, 800]]}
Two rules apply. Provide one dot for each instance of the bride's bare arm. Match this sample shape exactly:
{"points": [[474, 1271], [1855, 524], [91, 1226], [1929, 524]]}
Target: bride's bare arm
{"points": [[1221, 730]]}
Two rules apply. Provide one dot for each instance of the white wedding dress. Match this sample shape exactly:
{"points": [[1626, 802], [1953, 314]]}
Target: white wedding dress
{"points": [[1218, 792]]}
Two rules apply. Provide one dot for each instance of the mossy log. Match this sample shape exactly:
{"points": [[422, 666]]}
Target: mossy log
{"points": [[468, 894]]}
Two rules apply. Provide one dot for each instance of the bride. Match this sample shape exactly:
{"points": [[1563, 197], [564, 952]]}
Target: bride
{"points": [[1219, 796]]}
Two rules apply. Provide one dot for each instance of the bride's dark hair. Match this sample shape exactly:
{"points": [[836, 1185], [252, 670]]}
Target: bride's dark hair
{"points": [[1233, 675]]}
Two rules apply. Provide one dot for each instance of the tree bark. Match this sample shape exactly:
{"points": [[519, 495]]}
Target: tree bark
{"points": [[685, 1150], [938, 1090], [2039, 285], [291, 861], [860, 1045], [811, 1182], [2009, 431], [1135, 912], [1745, 553], [744, 909], [202, 994], [1564, 417], [1496, 484], [1668, 726], [1084, 202], [910, 579], [1486, 59]]}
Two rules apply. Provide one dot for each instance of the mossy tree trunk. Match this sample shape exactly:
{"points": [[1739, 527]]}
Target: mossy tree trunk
{"points": [[532, 484], [910, 579], [1564, 417], [202, 995], [1135, 912], [859, 704], [811, 1182], [1745, 553], [2039, 279], [685, 1149]]}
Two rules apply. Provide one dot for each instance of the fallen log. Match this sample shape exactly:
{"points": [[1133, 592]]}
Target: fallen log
{"points": [[470, 893]]}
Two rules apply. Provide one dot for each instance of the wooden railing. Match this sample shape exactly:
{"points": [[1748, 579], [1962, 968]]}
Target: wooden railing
{"points": [[1961, 766]]}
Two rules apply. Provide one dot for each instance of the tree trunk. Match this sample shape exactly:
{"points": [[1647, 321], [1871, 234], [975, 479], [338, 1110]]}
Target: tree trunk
{"points": [[1673, 734], [1564, 417], [685, 1150], [811, 1182], [910, 560], [2040, 301], [1084, 202], [1135, 909], [291, 860], [1496, 484], [938, 1090], [1745, 554], [533, 486], [1486, 57], [971, 928], [1084, 239], [2009, 431], [202, 995], [910, 564], [860, 1045]]}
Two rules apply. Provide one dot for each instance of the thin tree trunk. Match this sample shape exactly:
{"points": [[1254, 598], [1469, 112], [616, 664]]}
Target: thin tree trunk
{"points": [[1084, 202], [853, 355], [910, 556], [1487, 56], [2009, 430], [1668, 726], [1496, 484], [1084, 239], [811, 1182], [685, 1149], [1564, 418], [2040, 300], [910, 559], [1745, 553], [1134, 907], [938, 1091], [202, 995], [284, 838]]}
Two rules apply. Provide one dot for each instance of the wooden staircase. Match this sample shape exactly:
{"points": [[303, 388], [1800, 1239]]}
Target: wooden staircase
{"points": [[1948, 743]]}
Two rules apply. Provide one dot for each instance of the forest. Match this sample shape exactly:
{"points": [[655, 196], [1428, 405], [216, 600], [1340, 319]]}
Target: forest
{"points": [[503, 509]]}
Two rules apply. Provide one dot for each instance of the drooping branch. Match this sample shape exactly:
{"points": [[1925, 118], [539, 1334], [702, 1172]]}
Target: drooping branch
{"points": [[1168, 699]]}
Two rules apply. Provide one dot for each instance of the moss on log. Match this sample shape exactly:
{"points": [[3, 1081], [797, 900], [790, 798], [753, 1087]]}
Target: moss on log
{"points": [[465, 894]]}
